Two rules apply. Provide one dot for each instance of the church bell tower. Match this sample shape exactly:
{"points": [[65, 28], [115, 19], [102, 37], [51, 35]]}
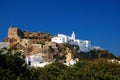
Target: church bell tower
{"points": [[73, 36]]}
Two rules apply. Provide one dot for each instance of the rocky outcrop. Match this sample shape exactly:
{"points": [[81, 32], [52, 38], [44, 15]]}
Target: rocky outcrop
{"points": [[69, 55]]}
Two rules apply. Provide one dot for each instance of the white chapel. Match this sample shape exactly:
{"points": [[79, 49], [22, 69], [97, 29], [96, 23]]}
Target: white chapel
{"points": [[84, 45]]}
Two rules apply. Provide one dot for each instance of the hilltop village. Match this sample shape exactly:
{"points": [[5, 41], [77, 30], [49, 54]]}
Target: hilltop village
{"points": [[41, 47]]}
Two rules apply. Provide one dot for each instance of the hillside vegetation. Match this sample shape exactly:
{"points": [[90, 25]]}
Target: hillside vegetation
{"points": [[96, 54], [13, 67]]}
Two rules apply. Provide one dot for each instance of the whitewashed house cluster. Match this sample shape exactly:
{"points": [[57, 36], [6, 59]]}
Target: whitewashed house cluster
{"points": [[84, 45]]}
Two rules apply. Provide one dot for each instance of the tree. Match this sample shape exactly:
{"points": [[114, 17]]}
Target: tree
{"points": [[56, 69], [12, 66]]}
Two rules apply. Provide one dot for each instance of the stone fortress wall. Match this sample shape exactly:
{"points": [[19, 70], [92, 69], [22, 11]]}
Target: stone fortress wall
{"points": [[26, 38], [16, 34]]}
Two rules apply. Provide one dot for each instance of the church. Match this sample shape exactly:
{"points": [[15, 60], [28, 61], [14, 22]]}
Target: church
{"points": [[84, 45]]}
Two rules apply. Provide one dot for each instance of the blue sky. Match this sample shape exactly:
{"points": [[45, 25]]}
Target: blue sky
{"points": [[94, 20]]}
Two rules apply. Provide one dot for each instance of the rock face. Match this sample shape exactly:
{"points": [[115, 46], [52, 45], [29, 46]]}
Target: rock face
{"points": [[69, 55]]}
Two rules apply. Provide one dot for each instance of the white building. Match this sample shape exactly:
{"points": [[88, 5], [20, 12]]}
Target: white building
{"points": [[84, 45], [96, 47], [4, 44], [36, 61]]}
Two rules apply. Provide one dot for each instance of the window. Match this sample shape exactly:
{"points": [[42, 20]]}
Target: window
{"points": [[25, 44]]}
